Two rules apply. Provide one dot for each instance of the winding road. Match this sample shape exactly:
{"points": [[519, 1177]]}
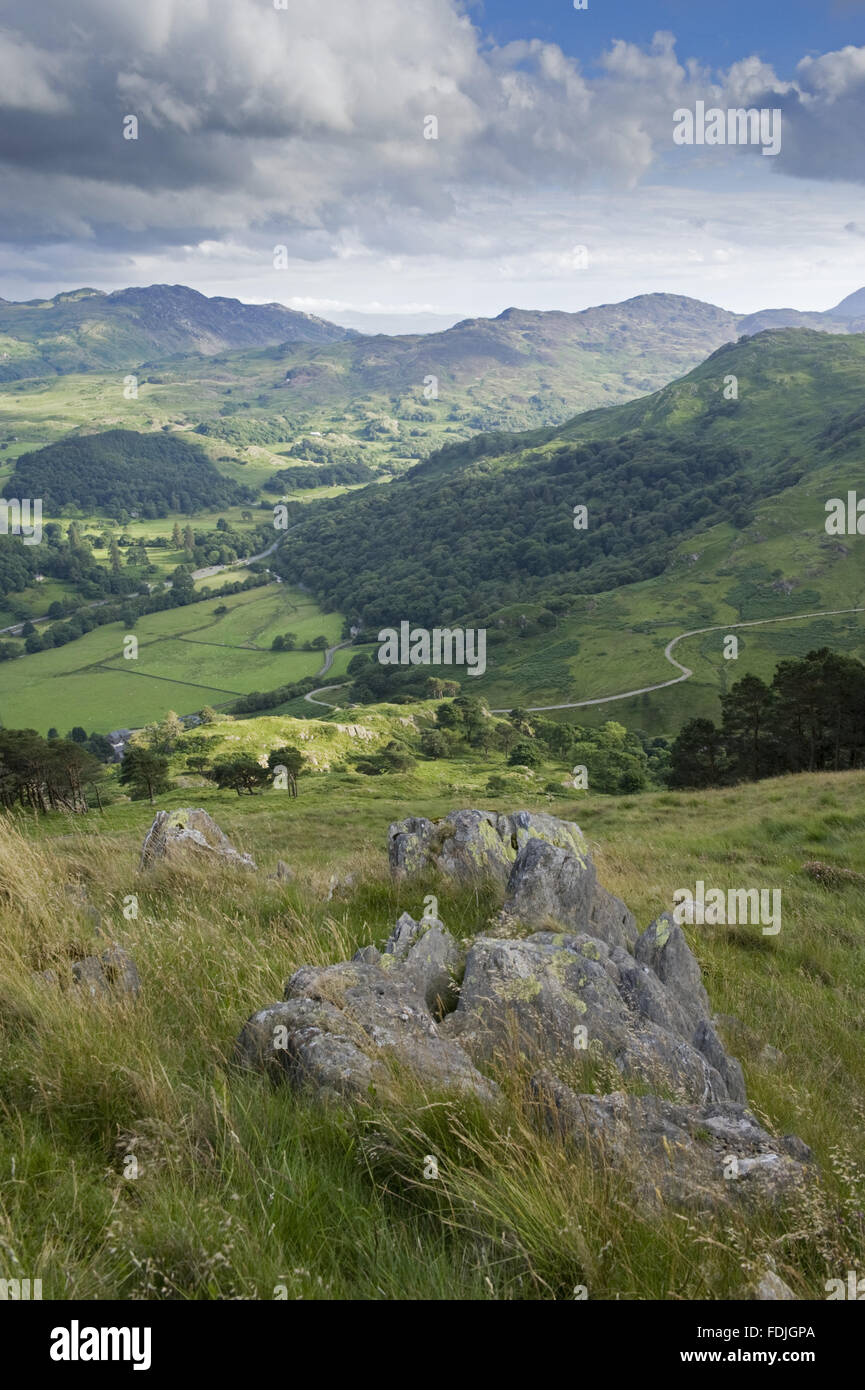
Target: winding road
{"points": [[686, 671]]}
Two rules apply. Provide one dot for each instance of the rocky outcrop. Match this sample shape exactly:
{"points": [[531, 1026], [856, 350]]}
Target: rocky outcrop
{"points": [[554, 995], [189, 835], [469, 844], [700, 1157], [428, 956], [560, 979], [343, 1028]]}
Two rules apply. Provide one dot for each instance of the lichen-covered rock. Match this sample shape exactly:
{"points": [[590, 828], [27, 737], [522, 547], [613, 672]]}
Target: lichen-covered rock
{"points": [[698, 1157], [428, 956], [611, 921], [311, 1042], [557, 994], [469, 844], [550, 885], [664, 949], [591, 988], [340, 1027], [189, 833]]}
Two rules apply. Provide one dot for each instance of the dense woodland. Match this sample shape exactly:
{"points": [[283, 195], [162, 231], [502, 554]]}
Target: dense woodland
{"points": [[323, 475], [437, 547], [124, 471]]}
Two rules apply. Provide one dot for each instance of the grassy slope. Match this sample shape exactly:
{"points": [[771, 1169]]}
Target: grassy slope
{"points": [[242, 1188], [617, 642]]}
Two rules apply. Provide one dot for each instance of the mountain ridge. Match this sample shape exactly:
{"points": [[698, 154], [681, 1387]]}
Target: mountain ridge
{"points": [[90, 330]]}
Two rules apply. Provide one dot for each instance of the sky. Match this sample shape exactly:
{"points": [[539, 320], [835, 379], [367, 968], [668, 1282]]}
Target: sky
{"points": [[285, 153]]}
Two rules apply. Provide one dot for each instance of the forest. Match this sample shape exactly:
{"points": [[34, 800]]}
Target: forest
{"points": [[473, 539], [119, 471]]}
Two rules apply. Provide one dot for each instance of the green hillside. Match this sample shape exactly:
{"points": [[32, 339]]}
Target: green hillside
{"points": [[703, 511]]}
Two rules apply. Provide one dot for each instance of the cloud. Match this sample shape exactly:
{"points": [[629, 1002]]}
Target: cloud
{"points": [[304, 127], [312, 117]]}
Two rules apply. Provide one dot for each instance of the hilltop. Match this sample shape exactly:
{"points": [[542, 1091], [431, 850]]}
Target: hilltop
{"points": [[86, 330]]}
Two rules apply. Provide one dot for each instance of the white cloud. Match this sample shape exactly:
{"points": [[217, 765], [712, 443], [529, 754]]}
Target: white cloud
{"points": [[304, 127]]}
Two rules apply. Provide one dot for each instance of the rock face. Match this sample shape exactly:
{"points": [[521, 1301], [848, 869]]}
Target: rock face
{"points": [[469, 844], [343, 1027], [561, 978], [189, 833], [558, 995]]}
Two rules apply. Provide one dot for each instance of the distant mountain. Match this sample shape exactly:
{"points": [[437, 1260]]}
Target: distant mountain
{"points": [[522, 368], [397, 396], [86, 330], [533, 367], [853, 307]]}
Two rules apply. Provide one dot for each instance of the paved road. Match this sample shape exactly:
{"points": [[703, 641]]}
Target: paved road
{"points": [[687, 673], [330, 654], [210, 570], [312, 694]]}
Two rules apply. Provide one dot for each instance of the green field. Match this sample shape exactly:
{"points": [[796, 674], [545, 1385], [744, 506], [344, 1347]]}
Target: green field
{"points": [[187, 657]]}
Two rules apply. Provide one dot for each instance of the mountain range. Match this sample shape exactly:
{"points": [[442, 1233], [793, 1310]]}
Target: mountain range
{"points": [[520, 368], [86, 330]]}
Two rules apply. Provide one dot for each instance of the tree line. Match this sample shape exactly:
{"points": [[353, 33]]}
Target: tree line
{"points": [[41, 775], [810, 718]]}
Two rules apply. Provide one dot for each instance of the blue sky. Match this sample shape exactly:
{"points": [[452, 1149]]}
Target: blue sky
{"points": [[779, 31]]}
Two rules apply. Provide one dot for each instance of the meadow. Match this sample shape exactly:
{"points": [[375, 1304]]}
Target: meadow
{"points": [[187, 657], [244, 1191]]}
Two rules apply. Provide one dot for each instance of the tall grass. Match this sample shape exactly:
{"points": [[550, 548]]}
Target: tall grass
{"points": [[136, 1162]]}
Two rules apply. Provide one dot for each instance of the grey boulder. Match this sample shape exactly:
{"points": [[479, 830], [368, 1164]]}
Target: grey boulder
{"points": [[177, 837], [470, 844], [556, 995], [344, 1027], [111, 975]]}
